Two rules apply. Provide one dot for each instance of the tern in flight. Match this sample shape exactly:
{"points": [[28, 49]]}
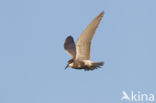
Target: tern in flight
{"points": [[80, 52]]}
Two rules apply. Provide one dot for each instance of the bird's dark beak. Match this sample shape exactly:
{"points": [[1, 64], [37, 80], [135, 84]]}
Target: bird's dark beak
{"points": [[66, 66]]}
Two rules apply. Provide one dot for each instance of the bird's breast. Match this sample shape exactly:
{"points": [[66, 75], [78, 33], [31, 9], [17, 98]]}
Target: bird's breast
{"points": [[78, 64]]}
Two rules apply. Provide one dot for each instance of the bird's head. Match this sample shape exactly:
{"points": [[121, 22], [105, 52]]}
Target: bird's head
{"points": [[69, 64]]}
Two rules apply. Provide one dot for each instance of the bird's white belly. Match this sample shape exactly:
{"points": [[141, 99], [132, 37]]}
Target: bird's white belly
{"points": [[88, 62]]}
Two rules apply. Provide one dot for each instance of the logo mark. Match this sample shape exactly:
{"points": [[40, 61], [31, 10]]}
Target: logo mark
{"points": [[137, 97], [125, 96]]}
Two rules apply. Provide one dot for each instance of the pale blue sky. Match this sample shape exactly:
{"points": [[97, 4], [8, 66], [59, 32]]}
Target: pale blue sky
{"points": [[32, 57]]}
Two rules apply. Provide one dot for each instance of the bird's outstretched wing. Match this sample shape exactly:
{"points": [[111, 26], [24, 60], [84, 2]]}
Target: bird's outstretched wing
{"points": [[69, 46], [84, 41]]}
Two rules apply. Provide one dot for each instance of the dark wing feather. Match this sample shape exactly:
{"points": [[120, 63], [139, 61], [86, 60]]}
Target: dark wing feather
{"points": [[69, 46], [84, 41]]}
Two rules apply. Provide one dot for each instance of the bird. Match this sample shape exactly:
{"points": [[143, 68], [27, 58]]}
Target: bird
{"points": [[80, 51]]}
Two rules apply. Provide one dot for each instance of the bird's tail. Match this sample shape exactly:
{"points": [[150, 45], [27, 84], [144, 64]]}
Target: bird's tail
{"points": [[97, 64], [92, 65]]}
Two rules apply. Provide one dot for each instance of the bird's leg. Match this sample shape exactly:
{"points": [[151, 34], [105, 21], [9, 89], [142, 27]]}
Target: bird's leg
{"points": [[87, 68], [91, 68]]}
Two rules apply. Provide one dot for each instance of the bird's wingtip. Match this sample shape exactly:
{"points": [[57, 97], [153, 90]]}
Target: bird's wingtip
{"points": [[102, 12]]}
